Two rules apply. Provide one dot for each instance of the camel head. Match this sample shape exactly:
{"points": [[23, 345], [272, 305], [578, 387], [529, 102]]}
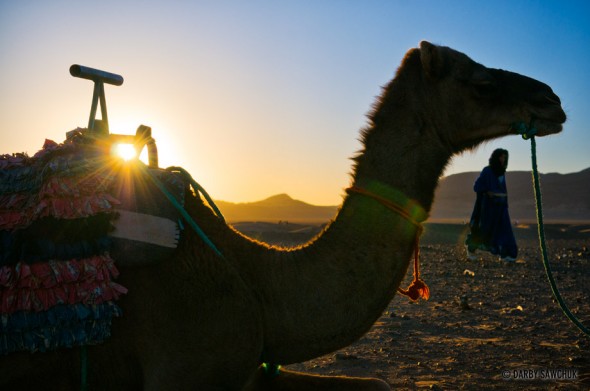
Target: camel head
{"points": [[470, 103]]}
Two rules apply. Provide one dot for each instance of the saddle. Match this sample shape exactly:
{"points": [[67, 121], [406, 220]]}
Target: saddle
{"points": [[69, 215]]}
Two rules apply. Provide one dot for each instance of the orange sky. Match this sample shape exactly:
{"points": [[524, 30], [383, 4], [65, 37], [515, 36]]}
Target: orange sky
{"points": [[260, 98]]}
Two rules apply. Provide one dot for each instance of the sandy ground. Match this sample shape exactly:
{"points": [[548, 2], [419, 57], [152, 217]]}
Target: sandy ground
{"points": [[487, 325]]}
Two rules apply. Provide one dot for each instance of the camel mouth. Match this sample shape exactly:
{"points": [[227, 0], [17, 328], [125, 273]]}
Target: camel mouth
{"points": [[547, 127], [549, 120]]}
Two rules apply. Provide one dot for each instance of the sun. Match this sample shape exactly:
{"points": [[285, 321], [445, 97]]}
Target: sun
{"points": [[166, 145], [124, 151]]}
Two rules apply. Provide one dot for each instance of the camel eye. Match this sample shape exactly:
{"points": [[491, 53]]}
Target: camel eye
{"points": [[485, 88], [483, 82]]}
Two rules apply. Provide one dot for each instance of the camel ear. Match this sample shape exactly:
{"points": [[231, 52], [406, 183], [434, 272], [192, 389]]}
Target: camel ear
{"points": [[432, 59]]}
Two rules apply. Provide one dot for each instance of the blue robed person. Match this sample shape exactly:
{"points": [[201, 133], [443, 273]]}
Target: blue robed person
{"points": [[491, 229]]}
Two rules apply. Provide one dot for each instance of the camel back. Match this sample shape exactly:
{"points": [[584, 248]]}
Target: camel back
{"points": [[65, 215]]}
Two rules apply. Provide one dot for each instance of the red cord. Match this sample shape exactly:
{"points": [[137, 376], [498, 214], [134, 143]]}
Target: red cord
{"points": [[418, 288]]}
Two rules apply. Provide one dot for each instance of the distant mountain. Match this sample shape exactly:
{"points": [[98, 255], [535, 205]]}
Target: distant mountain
{"points": [[277, 208], [566, 197]]}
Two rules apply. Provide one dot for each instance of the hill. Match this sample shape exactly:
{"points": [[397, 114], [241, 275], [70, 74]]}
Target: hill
{"points": [[566, 198], [278, 208]]}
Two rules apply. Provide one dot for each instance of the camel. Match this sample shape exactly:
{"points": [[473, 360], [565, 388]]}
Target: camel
{"points": [[201, 322]]}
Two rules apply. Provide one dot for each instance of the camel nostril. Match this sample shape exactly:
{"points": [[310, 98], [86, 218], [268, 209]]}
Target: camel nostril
{"points": [[553, 99]]}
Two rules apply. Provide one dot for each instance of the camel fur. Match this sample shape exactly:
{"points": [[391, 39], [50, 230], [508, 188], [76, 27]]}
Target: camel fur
{"points": [[199, 322]]}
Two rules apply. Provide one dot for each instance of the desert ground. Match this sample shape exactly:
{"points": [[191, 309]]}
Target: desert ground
{"points": [[488, 324]]}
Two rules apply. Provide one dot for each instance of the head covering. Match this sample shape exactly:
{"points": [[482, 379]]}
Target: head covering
{"points": [[497, 167]]}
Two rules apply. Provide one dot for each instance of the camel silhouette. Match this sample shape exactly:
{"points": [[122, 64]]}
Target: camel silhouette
{"points": [[196, 321]]}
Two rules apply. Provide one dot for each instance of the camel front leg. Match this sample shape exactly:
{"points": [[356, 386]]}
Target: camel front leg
{"points": [[297, 381]]}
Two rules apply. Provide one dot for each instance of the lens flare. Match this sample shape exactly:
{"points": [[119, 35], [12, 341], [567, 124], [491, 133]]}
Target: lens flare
{"points": [[124, 151]]}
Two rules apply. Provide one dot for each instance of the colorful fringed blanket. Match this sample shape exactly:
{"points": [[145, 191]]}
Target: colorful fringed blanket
{"points": [[57, 276]]}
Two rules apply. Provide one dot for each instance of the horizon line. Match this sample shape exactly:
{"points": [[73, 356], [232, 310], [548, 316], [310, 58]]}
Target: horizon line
{"points": [[337, 205]]}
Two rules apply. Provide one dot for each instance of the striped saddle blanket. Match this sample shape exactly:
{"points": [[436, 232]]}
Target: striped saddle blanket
{"points": [[65, 214]]}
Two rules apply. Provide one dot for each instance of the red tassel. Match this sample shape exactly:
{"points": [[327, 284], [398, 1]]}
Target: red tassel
{"points": [[418, 288]]}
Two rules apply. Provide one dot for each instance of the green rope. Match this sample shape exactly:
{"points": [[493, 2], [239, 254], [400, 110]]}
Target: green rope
{"points": [[271, 370], [181, 210], [529, 133], [198, 188]]}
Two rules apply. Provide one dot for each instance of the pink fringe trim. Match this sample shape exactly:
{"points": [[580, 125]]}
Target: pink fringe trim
{"points": [[40, 286], [61, 208]]}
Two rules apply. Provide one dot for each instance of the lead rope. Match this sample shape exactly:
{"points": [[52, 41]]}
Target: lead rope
{"points": [[529, 133]]}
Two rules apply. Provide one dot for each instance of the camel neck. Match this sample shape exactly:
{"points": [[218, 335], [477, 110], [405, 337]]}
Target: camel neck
{"points": [[399, 154], [327, 294]]}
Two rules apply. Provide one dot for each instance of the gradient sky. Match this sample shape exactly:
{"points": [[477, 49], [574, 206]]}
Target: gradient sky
{"points": [[256, 98]]}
